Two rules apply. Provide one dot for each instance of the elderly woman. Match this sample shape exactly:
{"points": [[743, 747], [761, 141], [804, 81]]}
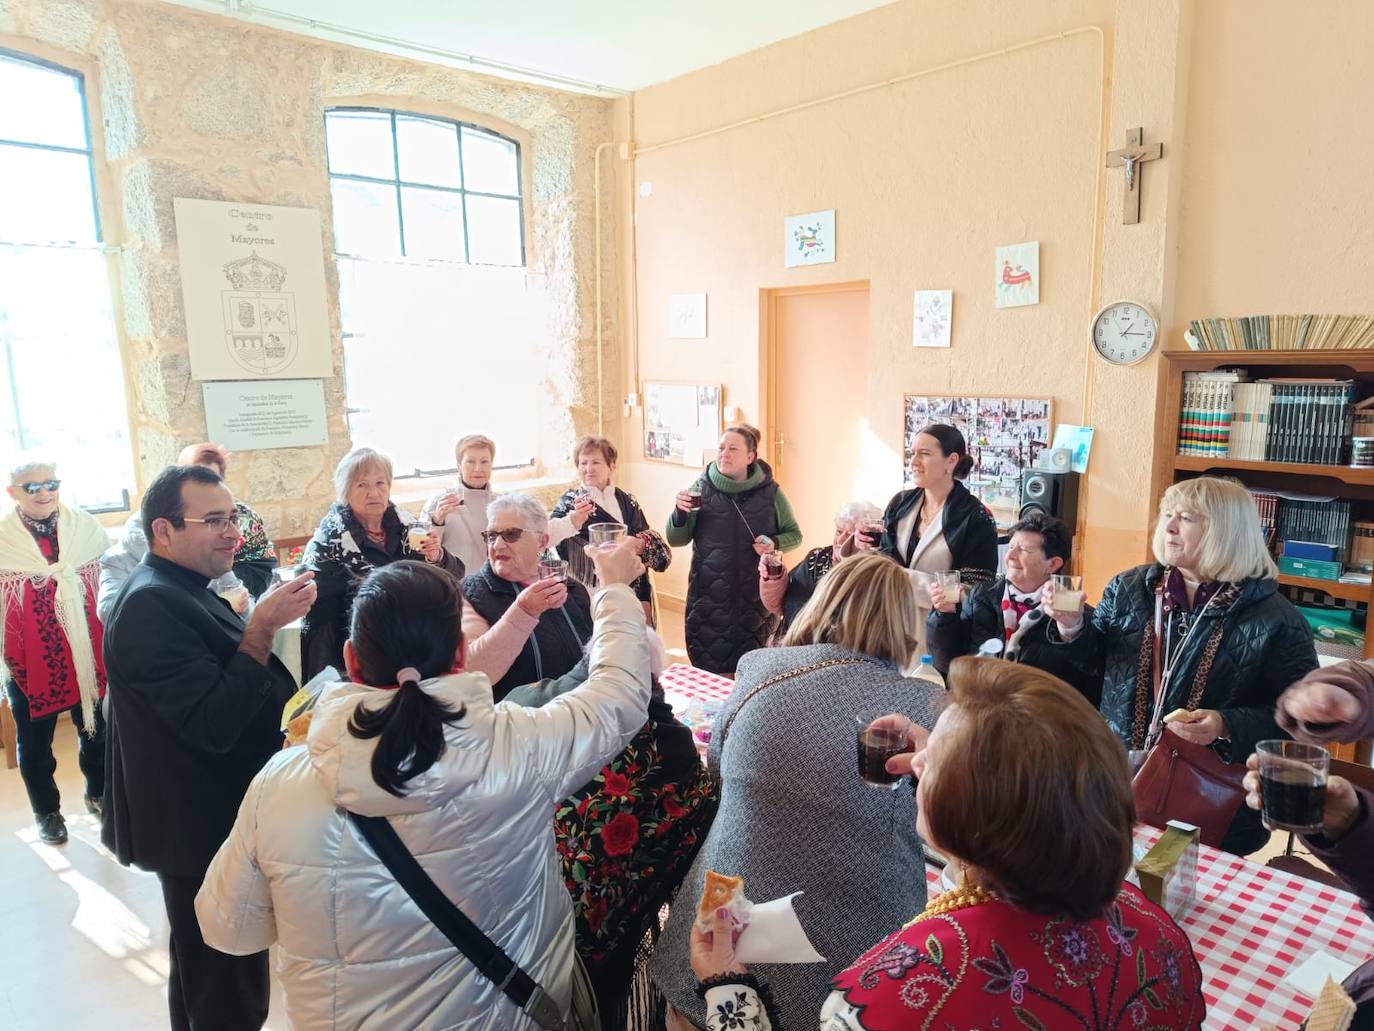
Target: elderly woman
{"points": [[521, 627], [732, 516], [1199, 641], [938, 525], [784, 593], [462, 510], [1041, 932], [794, 814], [50, 638], [466, 785], [597, 500], [1007, 611], [253, 562], [361, 531]]}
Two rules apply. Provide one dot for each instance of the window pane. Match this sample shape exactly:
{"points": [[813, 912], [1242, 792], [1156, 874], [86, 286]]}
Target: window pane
{"points": [[494, 231], [489, 164], [433, 223], [45, 196], [455, 321], [57, 335], [359, 143], [429, 151], [40, 105], [365, 219]]}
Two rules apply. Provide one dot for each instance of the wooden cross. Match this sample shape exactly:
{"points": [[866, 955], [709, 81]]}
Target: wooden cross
{"points": [[1133, 156]]}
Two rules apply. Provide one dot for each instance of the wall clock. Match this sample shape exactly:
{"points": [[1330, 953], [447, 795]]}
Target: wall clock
{"points": [[1124, 332]]}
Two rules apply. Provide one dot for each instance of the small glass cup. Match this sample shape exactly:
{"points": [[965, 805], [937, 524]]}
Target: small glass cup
{"points": [[773, 566], [605, 533], [876, 745], [1293, 785], [417, 534], [871, 531], [949, 583], [1068, 594], [694, 498], [553, 569]]}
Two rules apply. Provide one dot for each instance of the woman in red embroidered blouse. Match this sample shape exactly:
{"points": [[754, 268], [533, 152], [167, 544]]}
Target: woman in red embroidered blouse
{"points": [[1027, 792]]}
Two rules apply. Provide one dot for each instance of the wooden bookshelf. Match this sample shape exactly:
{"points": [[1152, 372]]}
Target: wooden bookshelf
{"points": [[1339, 480]]}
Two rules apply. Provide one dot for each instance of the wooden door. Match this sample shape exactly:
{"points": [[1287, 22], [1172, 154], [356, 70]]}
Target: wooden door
{"points": [[817, 355]]}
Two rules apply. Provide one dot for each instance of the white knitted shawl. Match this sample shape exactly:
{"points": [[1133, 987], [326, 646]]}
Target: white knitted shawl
{"points": [[81, 541]]}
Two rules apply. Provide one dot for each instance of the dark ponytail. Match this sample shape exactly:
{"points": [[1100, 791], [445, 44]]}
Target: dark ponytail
{"points": [[951, 442], [407, 617]]}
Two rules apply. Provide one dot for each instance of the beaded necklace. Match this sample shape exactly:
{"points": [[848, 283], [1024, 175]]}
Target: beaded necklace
{"points": [[965, 896]]}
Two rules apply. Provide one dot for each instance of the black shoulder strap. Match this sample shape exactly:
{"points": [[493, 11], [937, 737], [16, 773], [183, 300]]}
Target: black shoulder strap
{"points": [[467, 937]]}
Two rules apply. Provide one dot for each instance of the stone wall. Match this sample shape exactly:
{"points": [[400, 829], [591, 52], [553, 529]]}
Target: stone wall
{"points": [[187, 104]]}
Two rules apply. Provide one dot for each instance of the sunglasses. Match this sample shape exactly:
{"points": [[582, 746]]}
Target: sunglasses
{"points": [[34, 487], [509, 536]]}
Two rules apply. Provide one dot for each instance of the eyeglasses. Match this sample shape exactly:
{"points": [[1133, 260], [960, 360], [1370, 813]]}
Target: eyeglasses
{"points": [[35, 486], [509, 536], [217, 524]]}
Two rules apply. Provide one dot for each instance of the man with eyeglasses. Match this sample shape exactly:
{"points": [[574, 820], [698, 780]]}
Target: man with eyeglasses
{"points": [[196, 699], [1004, 617], [50, 639]]}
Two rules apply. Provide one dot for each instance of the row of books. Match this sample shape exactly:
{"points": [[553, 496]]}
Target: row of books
{"points": [[1305, 421], [1281, 333], [1314, 536]]}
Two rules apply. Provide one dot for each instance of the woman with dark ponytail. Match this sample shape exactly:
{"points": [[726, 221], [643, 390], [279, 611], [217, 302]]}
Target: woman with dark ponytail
{"points": [[469, 786], [938, 524]]}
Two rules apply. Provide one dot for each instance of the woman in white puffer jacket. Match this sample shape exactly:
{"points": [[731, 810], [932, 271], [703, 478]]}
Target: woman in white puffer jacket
{"points": [[469, 787]]}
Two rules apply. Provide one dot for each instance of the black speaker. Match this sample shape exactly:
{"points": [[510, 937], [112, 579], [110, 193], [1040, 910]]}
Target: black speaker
{"points": [[1054, 493]]}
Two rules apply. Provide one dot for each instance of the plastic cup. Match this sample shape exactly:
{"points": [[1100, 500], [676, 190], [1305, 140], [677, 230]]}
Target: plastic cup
{"points": [[1293, 785], [1068, 594], [553, 569], [416, 536], [773, 566], [949, 583], [605, 533], [694, 497]]}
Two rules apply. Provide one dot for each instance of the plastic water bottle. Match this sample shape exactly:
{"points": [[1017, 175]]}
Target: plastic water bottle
{"points": [[927, 671]]}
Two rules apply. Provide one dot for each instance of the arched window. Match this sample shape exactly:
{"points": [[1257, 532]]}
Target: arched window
{"points": [[429, 238], [61, 379]]}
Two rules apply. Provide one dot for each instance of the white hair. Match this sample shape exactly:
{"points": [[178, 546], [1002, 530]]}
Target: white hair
{"points": [[853, 511], [27, 465], [352, 464], [530, 513]]}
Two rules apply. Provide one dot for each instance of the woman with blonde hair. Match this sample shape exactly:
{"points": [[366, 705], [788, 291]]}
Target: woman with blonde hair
{"points": [[1198, 642], [794, 814]]}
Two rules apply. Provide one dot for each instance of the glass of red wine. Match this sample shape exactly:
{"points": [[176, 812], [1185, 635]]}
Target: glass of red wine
{"points": [[878, 740]]}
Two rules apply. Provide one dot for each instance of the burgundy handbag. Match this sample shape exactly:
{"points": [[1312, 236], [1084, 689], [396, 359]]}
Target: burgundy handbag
{"points": [[1180, 780]]}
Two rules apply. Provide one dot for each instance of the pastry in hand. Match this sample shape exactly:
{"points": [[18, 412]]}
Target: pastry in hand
{"points": [[719, 890], [298, 728]]}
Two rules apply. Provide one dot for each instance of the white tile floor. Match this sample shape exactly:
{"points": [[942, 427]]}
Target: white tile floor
{"points": [[84, 939]]}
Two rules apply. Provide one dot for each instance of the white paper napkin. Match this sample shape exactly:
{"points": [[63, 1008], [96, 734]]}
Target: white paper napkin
{"points": [[1311, 975], [773, 934]]}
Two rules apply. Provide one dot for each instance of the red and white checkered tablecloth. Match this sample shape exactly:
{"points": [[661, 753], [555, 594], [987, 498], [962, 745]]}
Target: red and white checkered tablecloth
{"points": [[1250, 926], [683, 684]]}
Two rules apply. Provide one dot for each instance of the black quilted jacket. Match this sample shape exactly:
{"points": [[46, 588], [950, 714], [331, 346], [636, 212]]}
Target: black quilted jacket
{"points": [[1266, 646]]}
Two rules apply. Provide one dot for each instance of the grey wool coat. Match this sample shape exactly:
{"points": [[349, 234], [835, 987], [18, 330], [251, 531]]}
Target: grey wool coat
{"points": [[794, 816]]}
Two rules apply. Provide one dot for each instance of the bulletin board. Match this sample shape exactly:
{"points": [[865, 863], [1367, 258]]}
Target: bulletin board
{"points": [[681, 422], [1005, 436]]}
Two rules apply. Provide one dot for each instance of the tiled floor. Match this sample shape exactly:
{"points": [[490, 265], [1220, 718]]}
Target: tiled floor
{"points": [[84, 939]]}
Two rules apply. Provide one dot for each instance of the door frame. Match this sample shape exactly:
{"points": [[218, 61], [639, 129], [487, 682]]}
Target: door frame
{"points": [[769, 445]]}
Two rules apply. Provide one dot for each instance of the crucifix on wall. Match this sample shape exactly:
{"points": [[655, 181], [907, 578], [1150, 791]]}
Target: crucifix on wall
{"points": [[1133, 156]]}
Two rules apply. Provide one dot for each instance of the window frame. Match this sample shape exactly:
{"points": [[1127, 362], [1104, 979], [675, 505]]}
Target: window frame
{"points": [[91, 119], [398, 183]]}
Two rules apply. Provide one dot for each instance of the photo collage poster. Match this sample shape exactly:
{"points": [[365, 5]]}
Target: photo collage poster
{"points": [[1005, 436]]}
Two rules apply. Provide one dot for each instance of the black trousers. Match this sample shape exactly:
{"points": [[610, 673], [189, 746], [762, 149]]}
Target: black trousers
{"points": [[208, 990], [33, 741]]}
